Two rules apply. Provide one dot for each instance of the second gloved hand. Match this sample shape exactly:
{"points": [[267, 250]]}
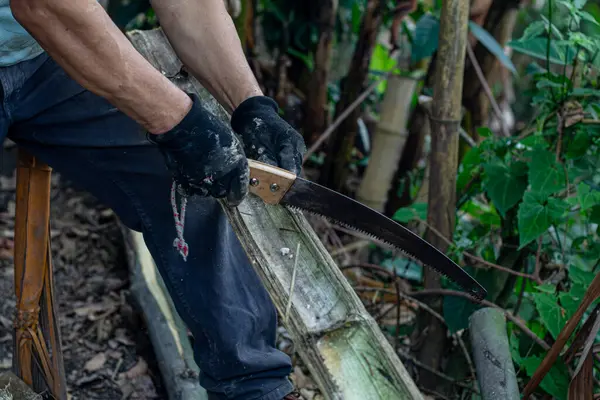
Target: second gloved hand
{"points": [[267, 137], [204, 156]]}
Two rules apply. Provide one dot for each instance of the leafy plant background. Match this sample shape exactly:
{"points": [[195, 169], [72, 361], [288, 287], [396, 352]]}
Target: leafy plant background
{"points": [[529, 202]]}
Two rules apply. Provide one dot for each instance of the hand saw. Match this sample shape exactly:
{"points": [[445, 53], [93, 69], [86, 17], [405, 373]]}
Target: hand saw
{"points": [[278, 186]]}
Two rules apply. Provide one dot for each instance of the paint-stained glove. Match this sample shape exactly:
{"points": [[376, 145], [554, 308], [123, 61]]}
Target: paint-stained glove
{"points": [[204, 156], [267, 137]]}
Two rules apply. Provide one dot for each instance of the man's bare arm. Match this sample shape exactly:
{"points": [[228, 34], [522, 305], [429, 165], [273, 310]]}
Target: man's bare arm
{"points": [[82, 39], [204, 37]]}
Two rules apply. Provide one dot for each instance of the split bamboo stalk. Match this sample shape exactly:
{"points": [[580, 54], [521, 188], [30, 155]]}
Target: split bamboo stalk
{"points": [[388, 142], [37, 359], [338, 340]]}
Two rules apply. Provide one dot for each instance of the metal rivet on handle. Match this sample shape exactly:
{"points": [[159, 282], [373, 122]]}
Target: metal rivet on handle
{"points": [[274, 187], [254, 182]]}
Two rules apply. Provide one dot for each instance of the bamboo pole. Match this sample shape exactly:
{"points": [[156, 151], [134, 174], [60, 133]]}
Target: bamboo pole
{"points": [[38, 359], [388, 142], [443, 160], [167, 331], [338, 340], [493, 361]]}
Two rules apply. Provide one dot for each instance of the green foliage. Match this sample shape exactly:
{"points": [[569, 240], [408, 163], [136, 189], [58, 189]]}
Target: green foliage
{"points": [[536, 214], [531, 202], [505, 184], [492, 45], [409, 213], [556, 382], [425, 40], [552, 315], [546, 174]]}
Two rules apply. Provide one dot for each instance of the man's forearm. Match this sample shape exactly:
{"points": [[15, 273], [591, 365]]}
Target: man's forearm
{"points": [[204, 37], [81, 38]]}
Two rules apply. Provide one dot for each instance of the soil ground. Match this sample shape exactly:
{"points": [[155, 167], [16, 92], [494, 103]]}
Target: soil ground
{"points": [[104, 337]]}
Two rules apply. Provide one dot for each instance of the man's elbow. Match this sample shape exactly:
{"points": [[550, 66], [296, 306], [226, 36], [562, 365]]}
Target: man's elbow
{"points": [[28, 12]]}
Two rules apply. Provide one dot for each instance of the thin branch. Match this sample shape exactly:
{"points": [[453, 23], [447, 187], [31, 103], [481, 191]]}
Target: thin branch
{"points": [[421, 305], [325, 135], [359, 244], [476, 258], [463, 346], [486, 89], [449, 292], [509, 315], [397, 333], [463, 134], [439, 374]]}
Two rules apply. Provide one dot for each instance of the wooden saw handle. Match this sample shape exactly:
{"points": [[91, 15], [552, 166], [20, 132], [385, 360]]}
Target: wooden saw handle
{"points": [[268, 182]]}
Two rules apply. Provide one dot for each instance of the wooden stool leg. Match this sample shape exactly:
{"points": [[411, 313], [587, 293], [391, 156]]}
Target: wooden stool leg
{"points": [[38, 358]]}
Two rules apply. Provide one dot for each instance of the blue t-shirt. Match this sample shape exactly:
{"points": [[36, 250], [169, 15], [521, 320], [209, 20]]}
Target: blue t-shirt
{"points": [[16, 44]]}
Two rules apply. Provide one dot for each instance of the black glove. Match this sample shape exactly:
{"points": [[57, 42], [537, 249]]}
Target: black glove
{"points": [[267, 137], [204, 156]]}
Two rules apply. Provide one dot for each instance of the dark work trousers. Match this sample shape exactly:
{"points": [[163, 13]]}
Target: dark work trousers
{"points": [[215, 289]]}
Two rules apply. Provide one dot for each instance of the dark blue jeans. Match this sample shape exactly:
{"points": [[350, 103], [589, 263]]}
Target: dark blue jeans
{"points": [[216, 290]]}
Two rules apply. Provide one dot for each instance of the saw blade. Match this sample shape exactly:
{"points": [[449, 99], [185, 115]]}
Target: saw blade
{"points": [[344, 211]]}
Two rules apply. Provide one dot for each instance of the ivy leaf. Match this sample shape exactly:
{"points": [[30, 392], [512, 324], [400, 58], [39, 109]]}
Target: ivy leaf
{"points": [[556, 381], [577, 275], [579, 145], [485, 132], [457, 310], [579, 3], [407, 214], [546, 288], [469, 166], [569, 302], [536, 214], [546, 175], [586, 197], [505, 185], [514, 348], [553, 316]]}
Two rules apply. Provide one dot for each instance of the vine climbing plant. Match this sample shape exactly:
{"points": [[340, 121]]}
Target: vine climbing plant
{"points": [[535, 196]]}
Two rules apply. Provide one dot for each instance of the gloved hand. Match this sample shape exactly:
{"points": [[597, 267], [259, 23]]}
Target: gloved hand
{"points": [[267, 137], [204, 156]]}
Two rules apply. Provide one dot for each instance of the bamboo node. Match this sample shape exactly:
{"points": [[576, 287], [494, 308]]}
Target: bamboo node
{"points": [[26, 320], [444, 120]]}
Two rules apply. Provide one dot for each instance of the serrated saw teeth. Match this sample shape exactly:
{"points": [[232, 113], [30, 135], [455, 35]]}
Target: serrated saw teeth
{"points": [[471, 292], [277, 186]]}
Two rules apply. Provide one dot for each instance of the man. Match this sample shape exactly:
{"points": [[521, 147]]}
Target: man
{"points": [[76, 94]]}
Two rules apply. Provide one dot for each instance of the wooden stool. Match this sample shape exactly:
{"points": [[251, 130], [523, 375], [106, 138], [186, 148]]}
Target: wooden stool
{"points": [[37, 357]]}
